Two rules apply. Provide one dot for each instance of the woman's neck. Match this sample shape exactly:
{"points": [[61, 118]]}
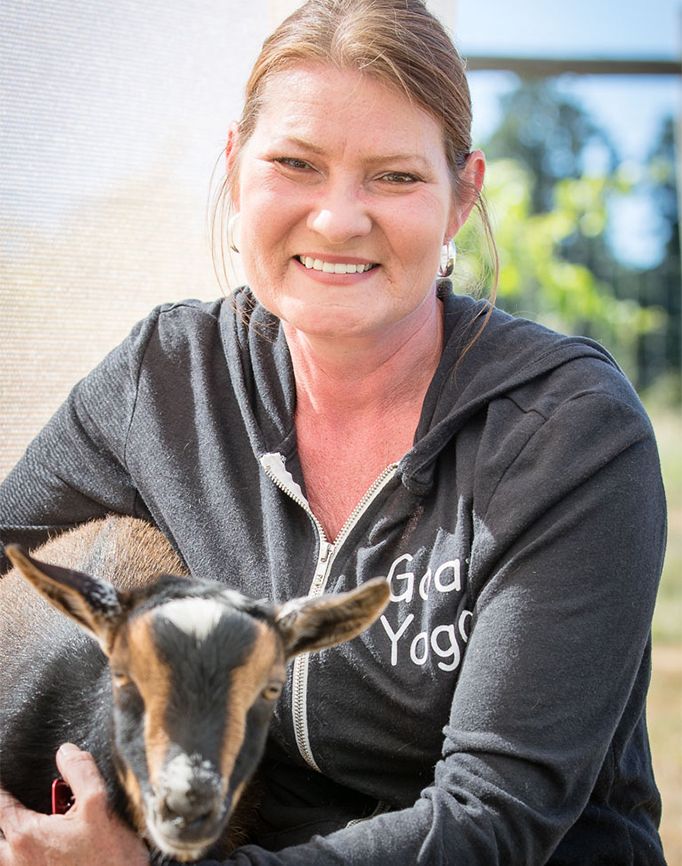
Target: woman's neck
{"points": [[340, 381]]}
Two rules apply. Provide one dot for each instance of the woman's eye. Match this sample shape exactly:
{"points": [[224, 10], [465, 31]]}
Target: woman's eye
{"points": [[292, 162], [272, 691], [400, 177]]}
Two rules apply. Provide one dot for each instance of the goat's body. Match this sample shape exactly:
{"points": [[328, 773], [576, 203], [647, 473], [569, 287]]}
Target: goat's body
{"points": [[63, 699], [169, 682], [55, 685]]}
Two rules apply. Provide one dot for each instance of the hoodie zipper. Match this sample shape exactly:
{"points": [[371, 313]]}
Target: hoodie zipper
{"points": [[275, 469]]}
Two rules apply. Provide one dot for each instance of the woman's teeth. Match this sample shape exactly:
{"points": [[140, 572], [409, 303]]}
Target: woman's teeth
{"points": [[332, 267]]}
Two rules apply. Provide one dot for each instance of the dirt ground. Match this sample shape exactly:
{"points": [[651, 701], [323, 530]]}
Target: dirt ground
{"points": [[665, 730]]}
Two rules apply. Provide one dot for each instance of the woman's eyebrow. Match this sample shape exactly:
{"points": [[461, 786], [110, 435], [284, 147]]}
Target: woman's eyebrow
{"points": [[291, 140], [412, 158]]}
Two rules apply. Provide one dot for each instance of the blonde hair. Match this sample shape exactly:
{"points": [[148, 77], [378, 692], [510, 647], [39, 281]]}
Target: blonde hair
{"points": [[397, 41]]}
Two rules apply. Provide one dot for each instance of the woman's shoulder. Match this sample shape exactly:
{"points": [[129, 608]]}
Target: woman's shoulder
{"points": [[186, 326], [189, 319], [170, 334], [538, 368], [189, 316]]}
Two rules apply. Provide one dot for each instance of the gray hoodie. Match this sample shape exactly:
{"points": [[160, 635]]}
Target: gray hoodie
{"points": [[495, 712]]}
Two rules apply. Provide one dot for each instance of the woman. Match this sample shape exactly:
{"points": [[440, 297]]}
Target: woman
{"points": [[347, 416]]}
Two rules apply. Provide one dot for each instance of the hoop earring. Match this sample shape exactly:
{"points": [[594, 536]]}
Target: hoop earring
{"points": [[448, 259], [233, 232]]}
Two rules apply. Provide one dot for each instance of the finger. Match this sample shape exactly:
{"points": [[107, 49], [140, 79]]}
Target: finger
{"points": [[11, 812], [80, 772]]}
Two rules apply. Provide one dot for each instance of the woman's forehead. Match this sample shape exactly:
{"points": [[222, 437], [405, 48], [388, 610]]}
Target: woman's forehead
{"points": [[325, 107]]}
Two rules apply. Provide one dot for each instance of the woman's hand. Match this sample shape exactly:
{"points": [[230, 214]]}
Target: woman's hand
{"points": [[88, 833]]}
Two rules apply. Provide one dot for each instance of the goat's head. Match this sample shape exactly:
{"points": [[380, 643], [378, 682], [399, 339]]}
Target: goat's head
{"points": [[196, 670]]}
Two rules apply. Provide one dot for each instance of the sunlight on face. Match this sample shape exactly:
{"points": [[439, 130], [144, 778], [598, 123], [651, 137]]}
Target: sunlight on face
{"points": [[345, 199]]}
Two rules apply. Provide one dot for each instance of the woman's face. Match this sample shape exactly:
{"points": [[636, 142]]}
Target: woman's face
{"points": [[345, 199]]}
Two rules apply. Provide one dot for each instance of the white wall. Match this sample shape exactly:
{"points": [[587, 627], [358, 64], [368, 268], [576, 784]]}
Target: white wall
{"points": [[113, 117]]}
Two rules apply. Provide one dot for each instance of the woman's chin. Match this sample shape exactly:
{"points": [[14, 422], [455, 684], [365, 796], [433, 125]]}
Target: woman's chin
{"points": [[330, 323]]}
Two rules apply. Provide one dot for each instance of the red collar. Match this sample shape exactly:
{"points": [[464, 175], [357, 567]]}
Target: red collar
{"points": [[62, 797]]}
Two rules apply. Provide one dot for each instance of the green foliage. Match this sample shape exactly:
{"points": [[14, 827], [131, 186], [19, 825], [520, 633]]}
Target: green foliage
{"points": [[550, 133], [661, 284], [536, 280], [668, 615], [553, 182]]}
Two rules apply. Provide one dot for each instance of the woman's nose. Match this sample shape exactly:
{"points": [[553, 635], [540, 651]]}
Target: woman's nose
{"points": [[340, 215]]}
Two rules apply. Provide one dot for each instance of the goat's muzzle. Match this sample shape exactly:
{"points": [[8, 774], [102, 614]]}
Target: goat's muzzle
{"points": [[188, 810]]}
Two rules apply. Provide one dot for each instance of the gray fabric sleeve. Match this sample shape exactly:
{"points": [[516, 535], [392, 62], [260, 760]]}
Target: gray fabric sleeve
{"points": [[75, 468]]}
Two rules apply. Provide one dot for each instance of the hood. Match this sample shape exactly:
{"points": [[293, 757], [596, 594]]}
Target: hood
{"points": [[508, 353]]}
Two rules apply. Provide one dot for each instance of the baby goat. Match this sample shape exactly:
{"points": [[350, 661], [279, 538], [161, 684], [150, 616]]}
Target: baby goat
{"points": [[177, 719]]}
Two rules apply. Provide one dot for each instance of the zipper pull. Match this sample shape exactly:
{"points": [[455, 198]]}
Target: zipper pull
{"points": [[322, 561]]}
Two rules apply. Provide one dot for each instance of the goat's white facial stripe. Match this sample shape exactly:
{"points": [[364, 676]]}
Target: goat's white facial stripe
{"points": [[194, 616]]}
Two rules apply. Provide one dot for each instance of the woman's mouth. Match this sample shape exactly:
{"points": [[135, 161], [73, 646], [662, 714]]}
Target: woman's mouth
{"points": [[326, 267]]}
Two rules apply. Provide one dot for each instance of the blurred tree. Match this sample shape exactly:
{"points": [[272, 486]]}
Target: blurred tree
{"points": [[567, 274], [551, 134], [536, 280], [661, 357]]}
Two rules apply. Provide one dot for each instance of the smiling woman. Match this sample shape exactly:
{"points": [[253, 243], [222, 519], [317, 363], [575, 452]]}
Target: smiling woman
{"points": [[347, 416], [345, 198], [340, 169]]}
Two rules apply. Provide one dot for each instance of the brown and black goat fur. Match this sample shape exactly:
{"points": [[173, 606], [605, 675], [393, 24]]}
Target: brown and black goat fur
{"points": [[53, 675], [174, 695]]}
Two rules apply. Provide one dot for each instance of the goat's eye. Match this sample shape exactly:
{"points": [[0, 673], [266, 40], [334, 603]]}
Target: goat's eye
{"points": [[120, 679], [272, 691]]}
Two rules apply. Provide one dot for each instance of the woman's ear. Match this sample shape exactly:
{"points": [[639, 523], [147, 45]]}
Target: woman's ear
{"points": [[231, 154], [468, 190]]}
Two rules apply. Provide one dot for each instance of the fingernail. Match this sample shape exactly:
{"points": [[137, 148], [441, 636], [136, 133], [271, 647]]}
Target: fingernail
{"points": [[68, 749]]}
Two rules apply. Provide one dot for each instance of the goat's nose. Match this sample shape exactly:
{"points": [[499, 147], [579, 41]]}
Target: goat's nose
{"points": [[190, 797], [188, 812], [188, 805]]}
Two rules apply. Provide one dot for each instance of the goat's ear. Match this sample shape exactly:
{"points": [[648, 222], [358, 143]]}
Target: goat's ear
{"points": [[92, 603], [307, 624]]}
